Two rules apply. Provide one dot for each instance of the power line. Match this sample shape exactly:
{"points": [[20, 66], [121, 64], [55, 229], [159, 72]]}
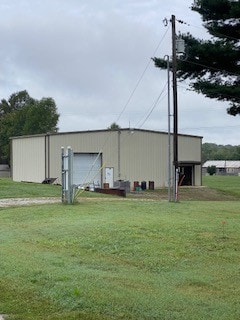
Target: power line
{"points": [[188, 88], [141, 77], [217, 33], [200, 27], [153, 107], [209, 67], [129, 99], [212, 127]]}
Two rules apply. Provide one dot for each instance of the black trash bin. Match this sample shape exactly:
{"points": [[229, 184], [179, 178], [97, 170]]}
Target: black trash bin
{"points": [[143, 185], [151, 185]]}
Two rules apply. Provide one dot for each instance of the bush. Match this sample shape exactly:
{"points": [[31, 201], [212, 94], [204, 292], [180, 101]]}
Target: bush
{"points": [[211, 170]]}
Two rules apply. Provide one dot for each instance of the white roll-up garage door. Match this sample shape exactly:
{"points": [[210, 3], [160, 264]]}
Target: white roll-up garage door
{"points": [[87, 169]]}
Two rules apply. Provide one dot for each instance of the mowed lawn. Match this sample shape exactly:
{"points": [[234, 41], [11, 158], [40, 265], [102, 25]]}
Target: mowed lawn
{"points": [[111, 258], [229, 185]]}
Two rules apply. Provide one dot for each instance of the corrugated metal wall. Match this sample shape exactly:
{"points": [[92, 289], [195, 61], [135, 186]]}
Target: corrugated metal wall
{"points": [[135, 155], [189, 148], [198, 175], [144, 157], [28, 159], [86, 142]]}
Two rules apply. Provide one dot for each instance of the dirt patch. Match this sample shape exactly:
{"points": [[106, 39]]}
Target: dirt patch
{"points": [[186, 193], [204, 194], [26, 201]]}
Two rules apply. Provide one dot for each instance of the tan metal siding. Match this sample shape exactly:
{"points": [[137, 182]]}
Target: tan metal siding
{"points": [[189, 148], [198, 175], [143, 154], [144, 157], [89, 142], [28, 159]]}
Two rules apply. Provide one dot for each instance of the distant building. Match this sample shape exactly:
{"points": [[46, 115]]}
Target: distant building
{"points": [[224, 167]]}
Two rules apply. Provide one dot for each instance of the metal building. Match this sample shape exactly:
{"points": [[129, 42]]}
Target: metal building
{"points": [[104, 156], [223, 167]]}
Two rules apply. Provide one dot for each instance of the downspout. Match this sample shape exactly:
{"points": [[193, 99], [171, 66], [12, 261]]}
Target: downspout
{"points": [[45, 151], [201, 162], [11, 158], [48, 156], [119, 156]]}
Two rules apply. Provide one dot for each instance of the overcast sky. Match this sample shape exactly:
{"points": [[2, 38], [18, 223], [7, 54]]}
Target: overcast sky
{"points": [[94, 59]]}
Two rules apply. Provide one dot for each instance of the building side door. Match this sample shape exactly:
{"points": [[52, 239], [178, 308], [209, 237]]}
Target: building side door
{"points": [[109, 176]]}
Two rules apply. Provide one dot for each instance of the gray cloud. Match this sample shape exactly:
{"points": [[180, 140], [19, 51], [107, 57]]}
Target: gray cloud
{"points": [[89, 56]]}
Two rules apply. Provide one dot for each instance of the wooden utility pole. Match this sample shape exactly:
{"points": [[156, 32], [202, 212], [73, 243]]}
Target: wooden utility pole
{"points": [[175, 109]]}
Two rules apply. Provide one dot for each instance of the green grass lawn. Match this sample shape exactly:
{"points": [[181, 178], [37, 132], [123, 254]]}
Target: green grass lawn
{"points": [[225, 187], [121, 260], [225, 184], [12, 189]]}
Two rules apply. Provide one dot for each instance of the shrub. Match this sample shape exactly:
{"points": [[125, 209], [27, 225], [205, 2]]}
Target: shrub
{"points": [[211, 170]]}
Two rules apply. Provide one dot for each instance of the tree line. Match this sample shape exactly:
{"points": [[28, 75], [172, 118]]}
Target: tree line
{"points": [[23, 115], [212, 151]]}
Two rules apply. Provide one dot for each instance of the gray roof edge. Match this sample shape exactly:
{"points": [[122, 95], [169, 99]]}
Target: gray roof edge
{"points": [[101, 130], [222, 163]]}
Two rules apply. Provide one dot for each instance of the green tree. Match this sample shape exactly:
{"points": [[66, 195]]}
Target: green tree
{"points": [[114, 126], [23, 115], [213, 66], [212, 151]]}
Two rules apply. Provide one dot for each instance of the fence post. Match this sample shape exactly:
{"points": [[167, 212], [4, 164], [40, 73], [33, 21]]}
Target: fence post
{"points": [[67, 175]]}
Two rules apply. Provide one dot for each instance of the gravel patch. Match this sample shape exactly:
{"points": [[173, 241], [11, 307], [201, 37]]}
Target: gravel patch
{"points": [[26, 201]]}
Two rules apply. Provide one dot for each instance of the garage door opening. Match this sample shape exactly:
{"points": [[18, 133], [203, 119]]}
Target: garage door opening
{"points": [[87, 169]]}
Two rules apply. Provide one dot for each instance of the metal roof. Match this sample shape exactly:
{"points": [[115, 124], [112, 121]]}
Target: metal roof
{"points": [[103, 130], [222, 164]]}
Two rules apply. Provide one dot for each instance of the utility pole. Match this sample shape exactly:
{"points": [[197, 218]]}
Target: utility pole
{"points": [[175, 110], [169, 130]]}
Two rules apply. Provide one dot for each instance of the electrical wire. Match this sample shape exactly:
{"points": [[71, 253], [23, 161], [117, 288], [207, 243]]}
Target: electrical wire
{"points": [[188, 88], [212, 127], [218, 33], [128, 101], [209, 67], [152, 107], [141, 77]]}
